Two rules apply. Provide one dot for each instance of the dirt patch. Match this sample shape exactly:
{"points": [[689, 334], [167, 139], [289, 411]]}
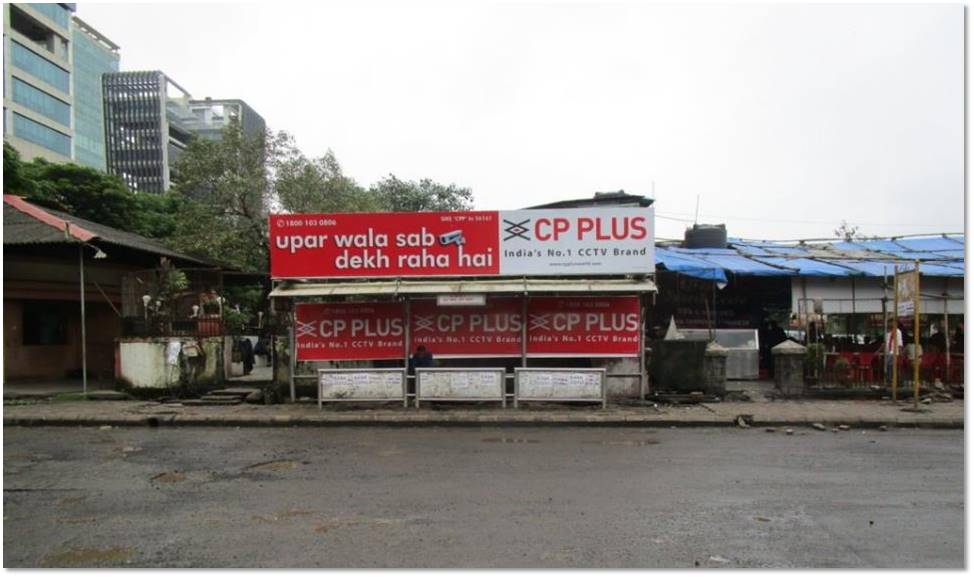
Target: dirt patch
{"points": [[342, 522], [625, 443], [284, 516], [72, 500], [277, 465], [77, 520], [507, 440], [169, 477], [88, 557]]}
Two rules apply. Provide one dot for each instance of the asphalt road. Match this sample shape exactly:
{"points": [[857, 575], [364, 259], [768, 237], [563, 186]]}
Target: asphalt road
{"points": [[467, 497]]}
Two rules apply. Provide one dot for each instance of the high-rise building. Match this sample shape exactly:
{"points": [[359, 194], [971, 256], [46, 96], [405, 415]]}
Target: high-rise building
{"points": [[146, 116], [149, 121], [93, 55], [37, 96], [212, 116]]}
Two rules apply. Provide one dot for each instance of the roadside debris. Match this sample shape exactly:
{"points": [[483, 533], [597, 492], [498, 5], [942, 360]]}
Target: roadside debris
{"points": [[719, 559], [744, 421], [104, 428], [770, 430], [843, 427], [883, 428], [789, 431], [818, 426]]}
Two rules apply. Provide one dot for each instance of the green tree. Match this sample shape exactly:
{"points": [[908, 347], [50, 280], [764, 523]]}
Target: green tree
{"points": [[410, 196], [83, 192], [318, 185], [14, 179], [225, 190]]}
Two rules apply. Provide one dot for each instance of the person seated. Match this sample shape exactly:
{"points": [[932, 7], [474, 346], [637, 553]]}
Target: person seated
{"points": [[420, 359]]}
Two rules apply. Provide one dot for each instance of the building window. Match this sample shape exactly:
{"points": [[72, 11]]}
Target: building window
{"points": [[55, 12], [42, 135], [26, 60], [41, 102], [44, 324]]}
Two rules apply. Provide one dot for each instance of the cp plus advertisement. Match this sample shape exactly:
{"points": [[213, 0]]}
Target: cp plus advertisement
{"points": [[349, 331], [557, 327], [493, 330], [486, 243], [583, 326]]}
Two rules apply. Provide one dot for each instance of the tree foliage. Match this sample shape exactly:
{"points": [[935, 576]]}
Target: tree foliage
{"points": [[224, 190], [395, 194], [318, 185], [224, 187]]}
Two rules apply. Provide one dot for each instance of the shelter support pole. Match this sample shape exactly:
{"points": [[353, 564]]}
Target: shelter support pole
{"points": [[84, 334], [643, 381], [292, 351], [407, 310], [524, 330], [916, 334]]}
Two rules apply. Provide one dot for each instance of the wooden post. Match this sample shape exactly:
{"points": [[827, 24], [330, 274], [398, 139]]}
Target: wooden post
{"points": [[896, 327], [916, 334]]}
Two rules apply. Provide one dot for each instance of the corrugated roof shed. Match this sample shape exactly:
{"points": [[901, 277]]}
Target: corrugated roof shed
{"points": [[941, 255], [25, 223]]}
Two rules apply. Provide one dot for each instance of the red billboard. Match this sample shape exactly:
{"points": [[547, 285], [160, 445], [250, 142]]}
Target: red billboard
{"points": [[492, 330], [349, 331], [605, 240], [596, 326], [583, 326], [384, 244]]}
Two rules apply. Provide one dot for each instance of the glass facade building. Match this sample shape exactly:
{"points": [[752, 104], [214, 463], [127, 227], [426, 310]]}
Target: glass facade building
{"points": [[41, 102], [34, 64], [42, 135], [93, 55], [38, 96]]}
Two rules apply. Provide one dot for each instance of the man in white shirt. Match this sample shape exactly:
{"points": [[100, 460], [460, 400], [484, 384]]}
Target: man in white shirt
{"points": [[890, 348]]}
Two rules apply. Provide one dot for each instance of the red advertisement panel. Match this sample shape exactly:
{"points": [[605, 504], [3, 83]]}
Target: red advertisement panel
{"points": [[384, 244], [349, 331], [583, 326], [493, 330]]}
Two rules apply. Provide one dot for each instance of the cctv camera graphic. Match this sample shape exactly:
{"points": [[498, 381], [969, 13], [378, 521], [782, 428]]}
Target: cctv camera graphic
{"points": [[453, 237]]}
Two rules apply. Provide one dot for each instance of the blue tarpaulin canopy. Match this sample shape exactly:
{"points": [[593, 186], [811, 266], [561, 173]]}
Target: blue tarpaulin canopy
{"points": [[941, 255]]}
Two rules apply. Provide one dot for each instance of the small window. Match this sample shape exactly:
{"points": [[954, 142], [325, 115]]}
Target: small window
{"points": [[44, 323]]}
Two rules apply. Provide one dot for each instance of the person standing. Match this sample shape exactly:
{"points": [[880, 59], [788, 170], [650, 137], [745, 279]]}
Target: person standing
{"points": [[894, 342]]}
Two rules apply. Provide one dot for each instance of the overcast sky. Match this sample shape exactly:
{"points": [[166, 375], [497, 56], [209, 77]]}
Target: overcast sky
{"points": [[783, 119]]}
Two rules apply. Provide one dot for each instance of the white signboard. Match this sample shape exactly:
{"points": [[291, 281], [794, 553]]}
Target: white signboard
{"points": [[577, 241], [468, 300], [559, 385], [460, 385], [906, 289], [361, 385]]}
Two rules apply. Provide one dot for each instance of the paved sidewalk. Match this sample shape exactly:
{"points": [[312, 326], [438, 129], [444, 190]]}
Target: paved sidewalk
{"points": [[778, 413]]}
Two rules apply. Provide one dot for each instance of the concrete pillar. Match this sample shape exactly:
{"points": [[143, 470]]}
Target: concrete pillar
{"points": [[789, 368], [715, 369]]}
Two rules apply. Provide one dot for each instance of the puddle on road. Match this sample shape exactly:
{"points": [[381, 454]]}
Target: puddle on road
{"points": [[276, 465], [87, 557], [509, 440], [169, 477]]}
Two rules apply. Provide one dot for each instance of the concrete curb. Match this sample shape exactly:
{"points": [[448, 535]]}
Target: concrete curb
{"points": [[365, 420]]}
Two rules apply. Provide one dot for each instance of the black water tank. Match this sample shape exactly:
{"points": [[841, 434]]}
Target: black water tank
{"points": [[706, 236]]}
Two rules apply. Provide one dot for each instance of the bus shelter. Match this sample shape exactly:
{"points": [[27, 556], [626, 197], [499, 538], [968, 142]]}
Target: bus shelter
{"points": [[518, 291]]}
